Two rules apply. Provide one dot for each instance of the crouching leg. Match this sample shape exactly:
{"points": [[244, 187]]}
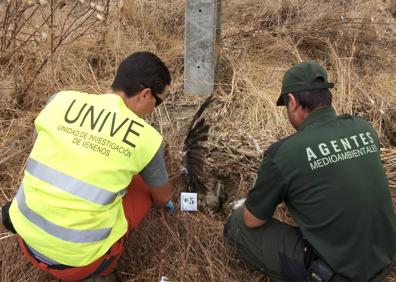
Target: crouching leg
{"points": [[275, 249]]}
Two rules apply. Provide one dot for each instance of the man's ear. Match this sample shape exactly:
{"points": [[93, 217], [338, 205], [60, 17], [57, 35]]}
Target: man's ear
{"points": [[292, 102], [144, 94]]}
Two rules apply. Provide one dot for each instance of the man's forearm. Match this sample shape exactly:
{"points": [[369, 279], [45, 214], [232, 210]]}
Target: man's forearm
{"points": [[161, 195], [250, 220]]}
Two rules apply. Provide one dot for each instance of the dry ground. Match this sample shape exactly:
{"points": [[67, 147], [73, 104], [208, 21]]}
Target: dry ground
{"points": [[78, 47]]}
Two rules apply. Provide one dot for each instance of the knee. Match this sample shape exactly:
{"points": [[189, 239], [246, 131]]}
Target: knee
{"points": [[227, 228], [233, 223]]}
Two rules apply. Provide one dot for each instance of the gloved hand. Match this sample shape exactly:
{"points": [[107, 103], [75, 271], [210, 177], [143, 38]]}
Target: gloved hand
{"points": [[170, 207], [238, 203]]}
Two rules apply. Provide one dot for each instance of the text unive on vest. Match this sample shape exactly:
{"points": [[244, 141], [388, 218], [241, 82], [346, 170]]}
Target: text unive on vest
{"points": [[99, 120]]}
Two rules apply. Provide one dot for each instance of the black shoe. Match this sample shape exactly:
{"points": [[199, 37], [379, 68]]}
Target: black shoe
{"points": [[5, 217]]}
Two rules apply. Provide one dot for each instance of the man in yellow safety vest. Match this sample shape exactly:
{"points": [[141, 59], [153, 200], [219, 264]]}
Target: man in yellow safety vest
{"points": [[94, 172]]}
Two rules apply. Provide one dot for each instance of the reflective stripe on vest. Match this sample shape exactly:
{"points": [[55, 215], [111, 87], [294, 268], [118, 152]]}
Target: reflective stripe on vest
{"points": [[39, 256], [87, 150], [70, 184], [66, 234]]}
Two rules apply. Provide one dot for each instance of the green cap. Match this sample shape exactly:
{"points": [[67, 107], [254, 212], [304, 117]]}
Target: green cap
{"points": [[301, 77]]}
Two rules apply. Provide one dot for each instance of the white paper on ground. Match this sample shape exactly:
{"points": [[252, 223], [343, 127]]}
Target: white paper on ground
{"points": [[164, 279], [188, 201]]}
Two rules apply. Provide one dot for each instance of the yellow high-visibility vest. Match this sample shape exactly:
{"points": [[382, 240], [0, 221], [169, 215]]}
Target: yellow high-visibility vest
{"points": [[69, 205]]}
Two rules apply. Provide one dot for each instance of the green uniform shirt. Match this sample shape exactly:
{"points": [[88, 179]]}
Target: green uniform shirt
{"points": [[330, 176]]}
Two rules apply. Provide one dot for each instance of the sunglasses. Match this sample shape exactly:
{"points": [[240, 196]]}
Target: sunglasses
{"points": [[158, 100]]}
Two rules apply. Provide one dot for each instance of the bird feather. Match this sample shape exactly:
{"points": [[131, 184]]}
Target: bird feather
{"points": [[194, 151]]}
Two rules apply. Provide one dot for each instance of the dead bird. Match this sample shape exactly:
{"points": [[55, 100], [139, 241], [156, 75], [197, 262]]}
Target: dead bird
{"points": [[193, 162]]}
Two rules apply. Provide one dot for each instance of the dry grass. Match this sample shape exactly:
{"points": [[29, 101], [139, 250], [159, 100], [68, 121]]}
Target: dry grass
{"points": [[260, 40]]}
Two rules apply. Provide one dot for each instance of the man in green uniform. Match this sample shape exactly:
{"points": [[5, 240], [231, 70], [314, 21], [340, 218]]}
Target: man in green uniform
{"points": [[330, 176]]}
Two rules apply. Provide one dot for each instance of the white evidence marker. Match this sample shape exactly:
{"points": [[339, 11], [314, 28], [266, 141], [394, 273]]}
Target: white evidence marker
{"points": [[188, 201]]}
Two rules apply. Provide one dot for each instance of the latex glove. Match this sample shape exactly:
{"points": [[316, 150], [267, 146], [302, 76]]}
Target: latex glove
{"points": [[237, 204], [170, 207]]}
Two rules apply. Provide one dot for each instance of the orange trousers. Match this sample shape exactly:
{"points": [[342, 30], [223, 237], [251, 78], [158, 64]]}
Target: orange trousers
{"points": [[137, 203]]}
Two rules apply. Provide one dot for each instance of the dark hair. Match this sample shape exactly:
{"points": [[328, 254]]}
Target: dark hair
{"points": [[312, 99], [141, 70]]}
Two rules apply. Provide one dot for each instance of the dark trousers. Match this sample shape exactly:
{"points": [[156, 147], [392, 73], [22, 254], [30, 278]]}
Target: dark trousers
{"points": [[275, 249], [269, 248]]}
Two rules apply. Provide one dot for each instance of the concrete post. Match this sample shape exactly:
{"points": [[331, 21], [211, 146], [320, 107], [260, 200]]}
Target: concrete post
{"points": [[202, 32]]}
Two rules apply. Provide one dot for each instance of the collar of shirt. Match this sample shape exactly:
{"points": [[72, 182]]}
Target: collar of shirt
{"points": [[318, 116]]}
